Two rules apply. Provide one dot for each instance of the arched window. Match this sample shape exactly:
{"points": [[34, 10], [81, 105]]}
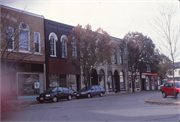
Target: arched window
{"points": [[122, 83], [53, 38], [64, 45], [102, 78], [115, 57], [24, 37], [109, 81], [121, 56], [74, 49]]}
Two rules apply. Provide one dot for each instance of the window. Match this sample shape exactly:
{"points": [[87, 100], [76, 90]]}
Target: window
{"points": [[53, 38], [24, 39], [121, 56], [60, 89], [10, 38], [115, 57], [74, 49], [37, 47], [122, 84], [97, 87], [65, 90], [64, 45], [148, 68], [28, 84], [166, 85], [170, 73]]}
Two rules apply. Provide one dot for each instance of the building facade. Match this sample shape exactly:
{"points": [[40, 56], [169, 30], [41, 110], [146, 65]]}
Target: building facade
{"points": [[59, 72], [22, 53]]}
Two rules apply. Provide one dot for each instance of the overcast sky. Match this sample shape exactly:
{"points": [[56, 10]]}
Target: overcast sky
{"points": [[117, 17]]}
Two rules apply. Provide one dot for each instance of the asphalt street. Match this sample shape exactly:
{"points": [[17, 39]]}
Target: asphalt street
{"points": [[121, 108]]}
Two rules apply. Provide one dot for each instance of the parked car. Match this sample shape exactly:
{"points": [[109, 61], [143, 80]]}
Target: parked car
{"points": [[168, 89], [53, 94], [162, 85], [91, 91]]}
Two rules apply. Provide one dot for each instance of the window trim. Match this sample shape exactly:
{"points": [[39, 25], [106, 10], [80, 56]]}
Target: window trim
{"points": [[65, 43], [39, 43], [55, 40], [11, 38], [28, 31]]}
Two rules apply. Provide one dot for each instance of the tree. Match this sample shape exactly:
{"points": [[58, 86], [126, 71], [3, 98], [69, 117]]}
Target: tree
{"points": [[166, 26], [141, 51], [163, 66], [88, 49]]}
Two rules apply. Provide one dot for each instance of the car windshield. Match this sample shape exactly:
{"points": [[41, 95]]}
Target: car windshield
{"points": [[86, 88], [50, 90], [177, 84]]}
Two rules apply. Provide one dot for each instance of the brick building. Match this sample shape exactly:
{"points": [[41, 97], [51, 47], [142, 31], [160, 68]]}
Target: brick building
{"points": [[22, 53]]}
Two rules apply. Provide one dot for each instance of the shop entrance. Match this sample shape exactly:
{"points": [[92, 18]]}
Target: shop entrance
{"points": [[116, 81], [94, 77]]}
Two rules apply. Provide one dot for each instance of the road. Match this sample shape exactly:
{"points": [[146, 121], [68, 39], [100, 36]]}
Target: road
{"points": [[128, 107]]}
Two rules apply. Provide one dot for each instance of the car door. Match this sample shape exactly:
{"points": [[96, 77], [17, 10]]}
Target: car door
{"points": [[65, 92], [166, 88], [60, 93], [171, 89], [93, 91], [98, 90]]}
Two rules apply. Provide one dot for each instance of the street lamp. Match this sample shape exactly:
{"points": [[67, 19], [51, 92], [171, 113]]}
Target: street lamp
{"points": [[126, 61]]}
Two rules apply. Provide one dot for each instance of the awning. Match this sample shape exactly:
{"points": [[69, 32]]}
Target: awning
{"points": [[155, 75], [61, 66]]}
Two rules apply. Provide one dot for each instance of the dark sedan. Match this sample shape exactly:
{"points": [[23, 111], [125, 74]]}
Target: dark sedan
{"points": [[55, 93], [90, 91]]}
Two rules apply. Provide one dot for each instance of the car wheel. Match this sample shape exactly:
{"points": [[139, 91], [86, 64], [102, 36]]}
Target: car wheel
{"points": [[89, 95], [41, 101], [69, 97], [54, 99], [101, 94], [164, 95], [177, 95]]}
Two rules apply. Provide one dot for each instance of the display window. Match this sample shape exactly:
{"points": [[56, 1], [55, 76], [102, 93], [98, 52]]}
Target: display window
{"points": [[28, 84]]}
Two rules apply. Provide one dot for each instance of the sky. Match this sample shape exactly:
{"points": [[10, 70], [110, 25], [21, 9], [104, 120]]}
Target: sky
{"points": [[117, 17]]}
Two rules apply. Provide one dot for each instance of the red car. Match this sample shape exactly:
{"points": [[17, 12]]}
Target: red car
{"points": [[168, 89]]}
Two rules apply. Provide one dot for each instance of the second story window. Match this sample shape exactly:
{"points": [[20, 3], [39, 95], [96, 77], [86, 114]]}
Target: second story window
{"points": [[64, 45], [121, 56], [148, 68], [74, 49], [37, 42], [53, 38], [24, 37], [170, 73], [10, 38], [115, 57]]}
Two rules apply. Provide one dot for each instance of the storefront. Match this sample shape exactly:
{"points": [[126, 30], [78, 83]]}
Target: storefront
{"points": [[29, 84], [149, 81]]}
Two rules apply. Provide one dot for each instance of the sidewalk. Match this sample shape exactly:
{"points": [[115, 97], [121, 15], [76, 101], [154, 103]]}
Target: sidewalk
{"points": [[170, 100], [12, 105]]}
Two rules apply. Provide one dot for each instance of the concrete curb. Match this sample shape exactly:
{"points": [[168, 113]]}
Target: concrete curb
{"points": [[161, 103]]}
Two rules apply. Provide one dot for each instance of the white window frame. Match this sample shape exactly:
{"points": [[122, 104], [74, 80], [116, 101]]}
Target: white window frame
{"points": [[37, 42], [28, 40], [55, 40], [12, 38], [74, 49], [65, 46], [120, 56]]}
